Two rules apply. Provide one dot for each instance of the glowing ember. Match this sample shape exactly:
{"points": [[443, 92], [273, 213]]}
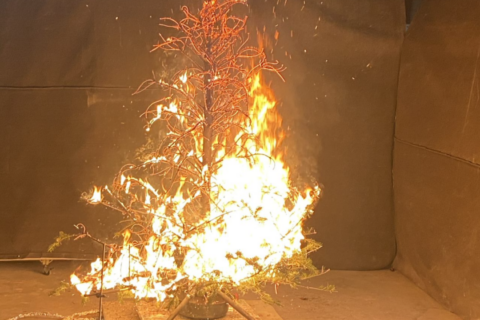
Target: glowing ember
{"points": [[229, 212]]}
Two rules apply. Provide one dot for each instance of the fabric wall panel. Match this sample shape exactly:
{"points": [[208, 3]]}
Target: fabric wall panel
{"points": [[436, 201], [57, 144], [436, 171], [46, 43]]}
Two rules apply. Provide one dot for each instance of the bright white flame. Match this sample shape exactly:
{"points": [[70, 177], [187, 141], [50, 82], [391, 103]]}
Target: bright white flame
{"points": [[184, 77], [97, 195]]}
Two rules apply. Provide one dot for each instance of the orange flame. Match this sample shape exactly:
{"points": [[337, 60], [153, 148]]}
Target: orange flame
{"points": [[258, 211]]}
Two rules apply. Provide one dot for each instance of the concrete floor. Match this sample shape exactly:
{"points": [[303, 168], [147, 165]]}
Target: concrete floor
{"points": [[373, 295]]}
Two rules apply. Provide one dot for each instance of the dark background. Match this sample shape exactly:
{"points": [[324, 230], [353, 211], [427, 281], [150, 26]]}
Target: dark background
{"points": [[437, 147], [68, 120]]}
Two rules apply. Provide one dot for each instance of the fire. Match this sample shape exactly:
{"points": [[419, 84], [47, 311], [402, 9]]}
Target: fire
{"points": [[261, 225], [97, 195], [215, 203], [263, 221]]}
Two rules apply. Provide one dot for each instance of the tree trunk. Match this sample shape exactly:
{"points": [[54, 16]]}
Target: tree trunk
{"points": [[207, 132]]}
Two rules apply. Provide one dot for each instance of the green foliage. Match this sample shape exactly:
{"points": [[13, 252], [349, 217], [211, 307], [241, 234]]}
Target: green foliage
{"points": [[125, 294], [59, 240], [289, 271], [328, 288], [64, 286]]}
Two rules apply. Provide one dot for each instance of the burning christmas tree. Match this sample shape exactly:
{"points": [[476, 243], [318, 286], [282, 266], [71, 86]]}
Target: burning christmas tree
{"points": [[212, 210]]}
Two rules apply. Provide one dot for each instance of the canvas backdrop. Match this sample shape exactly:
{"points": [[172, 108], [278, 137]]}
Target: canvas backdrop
{"points": [[68, 119]]}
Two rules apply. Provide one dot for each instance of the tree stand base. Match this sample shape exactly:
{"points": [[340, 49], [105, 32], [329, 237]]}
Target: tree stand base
{"points": [[196, 308]]}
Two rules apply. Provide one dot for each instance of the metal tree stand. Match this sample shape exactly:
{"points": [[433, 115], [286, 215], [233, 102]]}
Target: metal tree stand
{"points": [[225, 297]]}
